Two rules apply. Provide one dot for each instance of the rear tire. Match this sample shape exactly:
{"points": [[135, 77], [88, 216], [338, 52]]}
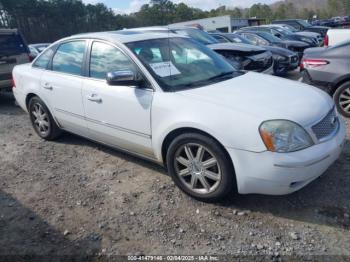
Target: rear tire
{"points": [[200, 167], [342, 99], [42, 120]]}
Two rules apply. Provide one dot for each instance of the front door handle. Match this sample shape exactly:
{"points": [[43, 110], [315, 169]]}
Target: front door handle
{"points": [[48, 86], [94, 98]]}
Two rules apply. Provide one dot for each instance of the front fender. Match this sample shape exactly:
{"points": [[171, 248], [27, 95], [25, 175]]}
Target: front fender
{"points": [[231, 128]]}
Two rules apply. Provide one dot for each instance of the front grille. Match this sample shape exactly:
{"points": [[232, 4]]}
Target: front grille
{"points": [[327, 126], [294, 59], [261, 65], [297, 49]]}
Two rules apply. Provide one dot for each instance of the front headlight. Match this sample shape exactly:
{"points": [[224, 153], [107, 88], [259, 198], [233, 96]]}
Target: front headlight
{"points": [[308, 40], [284, 136], [280, 58]]}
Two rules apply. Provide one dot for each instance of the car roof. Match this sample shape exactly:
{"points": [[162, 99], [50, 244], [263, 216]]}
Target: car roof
{"points": [[148, 28], [40, 44], [122, 36]]}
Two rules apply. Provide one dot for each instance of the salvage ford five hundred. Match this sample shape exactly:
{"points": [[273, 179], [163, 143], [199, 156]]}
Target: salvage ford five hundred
{"points": [[170, 99]]}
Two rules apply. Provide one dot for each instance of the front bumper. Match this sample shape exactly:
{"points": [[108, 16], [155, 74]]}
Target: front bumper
{"points": [[272, 173], [285, 66], [270, 70]]}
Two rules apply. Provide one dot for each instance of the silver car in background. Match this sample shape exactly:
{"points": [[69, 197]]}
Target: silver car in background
{"points": [[329, 69]]}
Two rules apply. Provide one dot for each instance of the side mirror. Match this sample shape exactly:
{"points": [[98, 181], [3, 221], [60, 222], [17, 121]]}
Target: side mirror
{"points": [[278, 35], [123, 78]]}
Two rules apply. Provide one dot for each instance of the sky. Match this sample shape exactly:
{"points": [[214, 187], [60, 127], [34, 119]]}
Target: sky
{"points": [[129, 6]]}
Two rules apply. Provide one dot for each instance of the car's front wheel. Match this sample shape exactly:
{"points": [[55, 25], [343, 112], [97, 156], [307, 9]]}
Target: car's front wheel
{"points": [[42, 120], [342, 99], [200, 167]]}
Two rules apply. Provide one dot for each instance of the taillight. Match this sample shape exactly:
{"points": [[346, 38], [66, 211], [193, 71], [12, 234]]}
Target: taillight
{"points": [[326, 40], [13, 82], [312, 63], [302, 65], [30, 57]]}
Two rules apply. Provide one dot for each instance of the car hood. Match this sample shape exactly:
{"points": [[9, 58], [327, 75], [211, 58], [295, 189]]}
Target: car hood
{"points": [[266, 97], [295, 43], [308, 34], [279, 50], [236, 47], [318, 27]]}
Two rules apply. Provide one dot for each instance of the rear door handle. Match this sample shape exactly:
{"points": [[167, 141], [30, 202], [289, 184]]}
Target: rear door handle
{"points": [[94, 98], [48, 86]]}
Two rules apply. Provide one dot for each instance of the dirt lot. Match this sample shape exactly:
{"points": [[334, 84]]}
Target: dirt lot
{"points": [[73, 196]]}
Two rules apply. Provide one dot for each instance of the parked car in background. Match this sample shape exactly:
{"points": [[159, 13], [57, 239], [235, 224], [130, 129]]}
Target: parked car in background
{"points": [[303, 25], [302, 33], [266, 39], [172, 100], [340, 21], [244, 57], [329, 69], [335, 36], [13, 51], [283, 34], [324, 22], [284, 59], [36, 49]]}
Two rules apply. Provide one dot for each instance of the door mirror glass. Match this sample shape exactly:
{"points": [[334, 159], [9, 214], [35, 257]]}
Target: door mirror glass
{"points": [[123, 78]]}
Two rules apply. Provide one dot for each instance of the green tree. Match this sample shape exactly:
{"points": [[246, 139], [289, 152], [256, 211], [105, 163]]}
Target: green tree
{"points": [[261, 11]]}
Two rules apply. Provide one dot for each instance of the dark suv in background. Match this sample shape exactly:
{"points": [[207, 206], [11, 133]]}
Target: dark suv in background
{"points": [[302, 25], [13, 51]]}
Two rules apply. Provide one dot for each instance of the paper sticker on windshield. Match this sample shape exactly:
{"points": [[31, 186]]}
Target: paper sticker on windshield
{"points": [[164, 69]]}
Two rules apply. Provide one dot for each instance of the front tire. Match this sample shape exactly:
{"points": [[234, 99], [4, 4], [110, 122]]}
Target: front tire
{"points": [[200, 167], [342, 99], [42, 120]]}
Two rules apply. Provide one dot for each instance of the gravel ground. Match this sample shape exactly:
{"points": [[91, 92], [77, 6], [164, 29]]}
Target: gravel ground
{"points": [[73, 196]]}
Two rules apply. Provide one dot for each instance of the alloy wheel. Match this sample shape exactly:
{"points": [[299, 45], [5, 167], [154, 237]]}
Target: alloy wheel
{"points": [[197, 168], [41, 119], [344, 100]]}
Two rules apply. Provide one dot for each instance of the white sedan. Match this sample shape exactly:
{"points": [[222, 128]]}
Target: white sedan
{"points": [[171, 100]]}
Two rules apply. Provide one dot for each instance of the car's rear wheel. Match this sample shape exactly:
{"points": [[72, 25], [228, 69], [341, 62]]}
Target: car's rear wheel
{"points": [[200, 167], [42, 120], [342, 99]]}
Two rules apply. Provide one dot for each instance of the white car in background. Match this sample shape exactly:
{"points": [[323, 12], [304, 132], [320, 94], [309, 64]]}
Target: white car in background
{"points": [[169, 99], [336, 36]]}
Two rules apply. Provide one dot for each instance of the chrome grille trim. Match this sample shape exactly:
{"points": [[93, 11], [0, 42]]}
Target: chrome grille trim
{"points": [[327, 127]]}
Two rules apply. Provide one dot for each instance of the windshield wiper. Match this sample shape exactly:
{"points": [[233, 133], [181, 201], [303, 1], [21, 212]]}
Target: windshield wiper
{"points": [[203, 82], [222, 75]]}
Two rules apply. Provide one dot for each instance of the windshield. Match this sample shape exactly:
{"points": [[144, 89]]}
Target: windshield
{"points": [[198, 35], [304, 23], [283, 31], [239, 39], [269, 37], [180, 63], [11, 45], [290, 28]]}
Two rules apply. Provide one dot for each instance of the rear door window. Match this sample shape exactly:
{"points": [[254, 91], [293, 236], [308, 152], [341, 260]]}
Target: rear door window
{"points": [[44, 59], [11, 44], [69, 58]]}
